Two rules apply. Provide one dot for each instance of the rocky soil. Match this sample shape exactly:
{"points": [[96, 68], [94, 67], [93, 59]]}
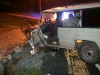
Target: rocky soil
{"points": [[77, 67], [9, 39], [53, 62]]}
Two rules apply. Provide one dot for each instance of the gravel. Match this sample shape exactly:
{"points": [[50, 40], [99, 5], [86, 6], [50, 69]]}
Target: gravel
{"points": [[53, 62]]}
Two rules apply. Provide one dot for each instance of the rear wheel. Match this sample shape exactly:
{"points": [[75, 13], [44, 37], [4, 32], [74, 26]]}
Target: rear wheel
{"points": [[89, 52]]}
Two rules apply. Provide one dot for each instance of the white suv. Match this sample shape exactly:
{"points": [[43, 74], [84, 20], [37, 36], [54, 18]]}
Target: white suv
{"points": [[85, 37]]}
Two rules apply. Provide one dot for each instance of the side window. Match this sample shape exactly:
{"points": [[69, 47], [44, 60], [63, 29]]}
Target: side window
{"points": [[91, 17], [72, 19]]}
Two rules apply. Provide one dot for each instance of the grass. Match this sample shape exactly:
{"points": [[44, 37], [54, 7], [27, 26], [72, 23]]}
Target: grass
{"points": [[31, 72], [13, 22], [28, 72]]}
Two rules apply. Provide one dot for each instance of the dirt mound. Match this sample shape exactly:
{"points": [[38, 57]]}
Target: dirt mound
{"points": [[10, 38]]}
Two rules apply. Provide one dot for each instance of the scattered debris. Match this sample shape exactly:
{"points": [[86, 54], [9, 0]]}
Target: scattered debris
{"points": [[32, 52], [17, 49], [53, 53], [19, 43], [48, 74], [9, 56], [1, 68], [5, 60], [7, 36], [1, 56]]}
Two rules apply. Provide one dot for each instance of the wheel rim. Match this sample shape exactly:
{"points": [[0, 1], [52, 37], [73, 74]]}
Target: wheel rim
{"points": [[89, 53]]}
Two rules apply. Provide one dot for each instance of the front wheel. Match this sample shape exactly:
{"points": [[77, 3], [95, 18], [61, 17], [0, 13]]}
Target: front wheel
{"points": [[89, 52]]}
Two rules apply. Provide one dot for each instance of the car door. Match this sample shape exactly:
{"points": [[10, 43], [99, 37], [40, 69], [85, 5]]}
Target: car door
{"points": [[67, 37]]}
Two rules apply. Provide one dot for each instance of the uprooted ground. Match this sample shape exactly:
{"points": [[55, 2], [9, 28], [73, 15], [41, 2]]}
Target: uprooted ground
{"points": [[10, 32]]}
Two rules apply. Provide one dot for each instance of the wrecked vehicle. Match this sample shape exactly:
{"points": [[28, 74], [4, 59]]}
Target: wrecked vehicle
{"points": [[84, 37]]}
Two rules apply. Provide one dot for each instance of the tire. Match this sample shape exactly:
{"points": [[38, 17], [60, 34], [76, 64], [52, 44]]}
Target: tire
{"points": [[89, 52]]}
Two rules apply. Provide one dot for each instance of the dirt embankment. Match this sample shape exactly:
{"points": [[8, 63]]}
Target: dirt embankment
{"points": [[10, 32], [10, 38]]}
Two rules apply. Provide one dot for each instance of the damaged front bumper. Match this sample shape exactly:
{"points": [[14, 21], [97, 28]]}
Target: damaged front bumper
{"points": [[33, 35]]}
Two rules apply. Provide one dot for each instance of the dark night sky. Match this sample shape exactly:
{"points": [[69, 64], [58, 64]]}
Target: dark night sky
{"points": [[62, 2], [34, 4], [53, 3]]}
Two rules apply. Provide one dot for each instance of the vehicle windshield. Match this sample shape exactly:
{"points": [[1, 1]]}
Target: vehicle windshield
{"points": [[48, 17]]}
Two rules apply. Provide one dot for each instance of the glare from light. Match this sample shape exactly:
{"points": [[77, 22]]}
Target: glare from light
{"points": [[65, 15], [45, 36], [55, 16]]}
